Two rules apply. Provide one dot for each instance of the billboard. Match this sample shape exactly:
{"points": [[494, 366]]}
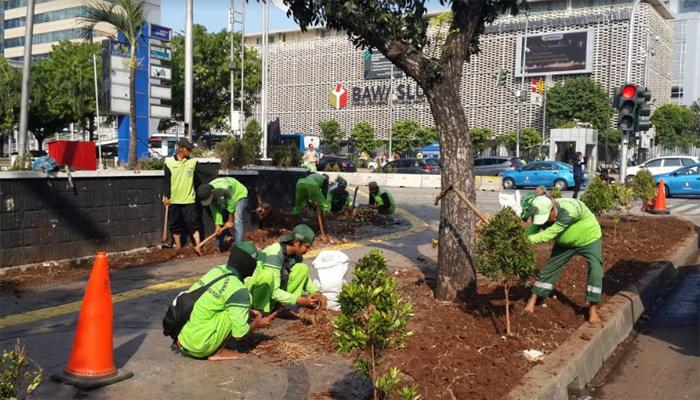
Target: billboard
{"points": [[556, 53], [376, 66]]}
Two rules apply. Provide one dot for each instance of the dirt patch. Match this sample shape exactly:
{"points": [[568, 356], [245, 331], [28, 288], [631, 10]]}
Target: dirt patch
{"points": [[460, 351]]}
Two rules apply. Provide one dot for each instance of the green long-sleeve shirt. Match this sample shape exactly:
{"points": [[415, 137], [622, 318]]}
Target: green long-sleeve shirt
{"points": [[276, 260], [338, 200], [575, 226], [227, 193]]}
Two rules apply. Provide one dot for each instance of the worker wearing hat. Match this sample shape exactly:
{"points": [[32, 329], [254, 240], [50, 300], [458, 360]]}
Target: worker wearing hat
{"points": [[312, 188], [223, 311], [227, 200], [180, 182], [574, 230], [338, 196], [381, 200], [290, 277]]}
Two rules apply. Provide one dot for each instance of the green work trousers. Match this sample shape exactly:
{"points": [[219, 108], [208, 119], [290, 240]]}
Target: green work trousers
{"points": [[306, 192], [593, 253], [261, 287]]}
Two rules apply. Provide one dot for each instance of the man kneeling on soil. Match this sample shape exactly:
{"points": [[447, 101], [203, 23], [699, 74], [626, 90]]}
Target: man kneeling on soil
{"points": [[338, 196], [381, 200], [575, 230], [223, 311], [311, 189], [282, 264]]}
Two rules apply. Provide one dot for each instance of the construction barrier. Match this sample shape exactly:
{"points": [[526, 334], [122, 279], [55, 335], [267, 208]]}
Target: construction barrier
{"points": [[489, 183]]}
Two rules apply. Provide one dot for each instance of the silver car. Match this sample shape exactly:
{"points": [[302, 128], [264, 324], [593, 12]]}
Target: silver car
{"points": [[493, 166]]}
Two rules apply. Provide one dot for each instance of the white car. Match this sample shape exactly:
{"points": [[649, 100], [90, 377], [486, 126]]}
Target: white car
{"points": [[661, 165]]}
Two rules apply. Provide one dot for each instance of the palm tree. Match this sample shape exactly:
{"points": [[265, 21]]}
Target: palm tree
{"points": [[128, 17]]}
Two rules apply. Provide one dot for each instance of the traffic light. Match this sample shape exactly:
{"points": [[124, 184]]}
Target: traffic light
{"points": [[625, 102], [643, 110], [502, 77]]}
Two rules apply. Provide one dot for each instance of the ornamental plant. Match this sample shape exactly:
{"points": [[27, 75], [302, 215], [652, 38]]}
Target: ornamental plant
{"points": [[373, 319], [19, 374], [504, 254], [598, 197], [643, 186]]}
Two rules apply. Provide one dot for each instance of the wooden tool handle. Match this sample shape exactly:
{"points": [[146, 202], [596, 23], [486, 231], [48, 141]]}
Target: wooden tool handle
{"points": [[470, 204], [320, 222], [203, 242], [165, 225]]}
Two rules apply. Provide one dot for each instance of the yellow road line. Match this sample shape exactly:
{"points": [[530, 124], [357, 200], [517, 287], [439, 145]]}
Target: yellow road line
{"points": [[7, 321]]}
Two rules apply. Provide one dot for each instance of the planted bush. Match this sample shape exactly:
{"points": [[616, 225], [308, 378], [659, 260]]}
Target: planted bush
{"points": [[372, 320], [285, 156], [598, 197], [19, 375], [233, 153], [555, 193], [504, 254], [643, 186]]}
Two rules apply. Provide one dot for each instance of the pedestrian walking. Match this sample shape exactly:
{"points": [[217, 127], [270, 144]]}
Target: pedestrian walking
{"points": [[227, 200], [310, 158], [180, 180], [574, 230], [579, 165]]}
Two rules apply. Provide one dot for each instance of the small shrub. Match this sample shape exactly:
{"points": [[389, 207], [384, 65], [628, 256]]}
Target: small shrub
{"points": [[233, 153], [598, 197], [504, 253], [622, 196], [336, 168], [22, 163], [643, 186], [201, 152], [329, 167], [555, 193], [372, 320], [19, 375], [285, 156], [151, 164]]}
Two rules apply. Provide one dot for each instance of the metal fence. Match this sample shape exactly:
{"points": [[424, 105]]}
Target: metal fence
{"points": [[658, 151]]}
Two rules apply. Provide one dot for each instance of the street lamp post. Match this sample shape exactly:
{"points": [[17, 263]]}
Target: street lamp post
{"points": [[232, 21], [188, 68], [391, 109], [241, 119], [523, 72], [26, 71], [97, 110], [263, 96]]}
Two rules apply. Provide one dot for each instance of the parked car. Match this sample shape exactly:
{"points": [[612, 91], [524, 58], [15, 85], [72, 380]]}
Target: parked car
{"points": [[540, 173], [661, 165], [345, 163], [681, 182], [411, 166], [492, 166]]}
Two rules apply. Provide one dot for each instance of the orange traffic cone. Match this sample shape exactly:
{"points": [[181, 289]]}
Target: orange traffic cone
{"points": [[91, 362], [660, 204]]}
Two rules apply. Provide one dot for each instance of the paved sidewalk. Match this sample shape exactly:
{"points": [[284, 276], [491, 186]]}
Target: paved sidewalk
{"points": [[141, 347]]}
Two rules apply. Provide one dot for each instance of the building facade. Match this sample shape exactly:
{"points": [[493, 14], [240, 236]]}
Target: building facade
{"points": [[318, 75], [54, 21], [685, 86]]}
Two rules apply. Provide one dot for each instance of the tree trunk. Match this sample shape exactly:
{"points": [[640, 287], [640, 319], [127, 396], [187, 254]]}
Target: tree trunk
{"points": [[132, 108], [506, 289], [456, 273]]}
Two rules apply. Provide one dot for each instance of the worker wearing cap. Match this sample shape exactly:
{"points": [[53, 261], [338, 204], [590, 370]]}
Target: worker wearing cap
{"points": [[312, 188], [180, 179], [227, 199], [223, 311], [381, 200], [282, 263], [574, 230], [338, 196]]}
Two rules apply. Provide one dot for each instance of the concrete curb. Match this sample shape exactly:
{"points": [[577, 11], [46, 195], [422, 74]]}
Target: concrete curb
{"points": [[576, 361]]}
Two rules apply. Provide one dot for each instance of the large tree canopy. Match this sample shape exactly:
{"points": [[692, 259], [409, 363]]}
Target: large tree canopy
{"points": [[579, 98], [211, 76], [675, 126], [435, 59]]}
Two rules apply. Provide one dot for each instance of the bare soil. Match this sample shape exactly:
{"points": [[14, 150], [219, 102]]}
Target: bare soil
{"points": [[460, 351]]}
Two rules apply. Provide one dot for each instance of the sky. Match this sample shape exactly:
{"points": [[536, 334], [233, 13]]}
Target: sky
{"points": [[214, 15]]}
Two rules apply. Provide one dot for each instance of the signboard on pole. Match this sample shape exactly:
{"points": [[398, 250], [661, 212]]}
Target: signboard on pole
{"points": [[536, 99], [556, 53], [161, 112], [160, 72], [376, 66], [161, 92], [161, 33], [161, 53]]}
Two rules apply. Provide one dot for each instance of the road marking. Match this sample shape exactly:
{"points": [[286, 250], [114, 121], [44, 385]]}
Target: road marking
{"points": [[417, 226], [696, 211], [683, 207]]}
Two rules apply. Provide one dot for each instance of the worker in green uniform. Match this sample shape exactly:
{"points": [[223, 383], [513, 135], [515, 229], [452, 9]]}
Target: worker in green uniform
{"points": [[338, 196], [180, 179], [227, 199], [312, 188], [574, 230], [282, 264], [381, 200], [223, 311]]}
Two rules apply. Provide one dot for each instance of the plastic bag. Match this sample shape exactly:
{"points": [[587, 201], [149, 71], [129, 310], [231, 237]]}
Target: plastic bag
{"points": [[331, 266]]}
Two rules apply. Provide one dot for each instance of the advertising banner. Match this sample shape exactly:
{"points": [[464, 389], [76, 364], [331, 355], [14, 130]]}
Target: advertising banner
{"points": [[556, 53]]}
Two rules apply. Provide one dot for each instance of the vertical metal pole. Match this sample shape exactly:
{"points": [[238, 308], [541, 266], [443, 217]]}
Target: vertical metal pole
{"points": [[523, 72], [26, 72], [391, 110], [544, 115], [232, 21], [241, 121], [263, 97], [188, 68], [628, 79], [97, 111]]}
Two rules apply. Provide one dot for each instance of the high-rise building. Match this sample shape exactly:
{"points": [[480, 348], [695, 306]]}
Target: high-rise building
{"points": [[54, 21], [685, 82]]}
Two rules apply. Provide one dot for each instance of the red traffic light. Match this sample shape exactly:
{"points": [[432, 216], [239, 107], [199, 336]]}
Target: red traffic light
{"points": [[629, 91]]}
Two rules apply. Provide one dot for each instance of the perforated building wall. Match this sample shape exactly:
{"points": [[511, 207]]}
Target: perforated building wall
{"points": [[305, 69]]}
